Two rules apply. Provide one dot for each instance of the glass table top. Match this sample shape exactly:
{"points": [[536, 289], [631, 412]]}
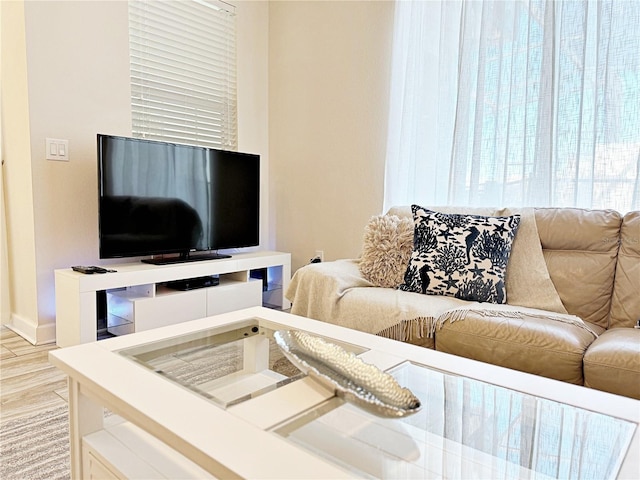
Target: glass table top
{"points": [[465, 429], [225, 365]]}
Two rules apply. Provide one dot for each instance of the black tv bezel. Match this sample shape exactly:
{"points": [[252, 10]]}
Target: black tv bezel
{"points": [[177, 255]]}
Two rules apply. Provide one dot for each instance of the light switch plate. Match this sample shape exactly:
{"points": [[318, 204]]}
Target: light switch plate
{"points": [[57, 149]]}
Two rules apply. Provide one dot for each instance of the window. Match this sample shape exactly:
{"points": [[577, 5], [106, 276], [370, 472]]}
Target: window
{"points": [[521, 103], [183, 72]]}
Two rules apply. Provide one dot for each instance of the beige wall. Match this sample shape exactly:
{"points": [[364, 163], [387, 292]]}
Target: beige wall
{"points": [[329, 73], [253, 96], [71, 82], [78, 78], [21, 272], [312, 101]]}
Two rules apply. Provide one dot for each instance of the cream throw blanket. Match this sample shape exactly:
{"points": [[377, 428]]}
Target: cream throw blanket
{"points": [[335, 292]]}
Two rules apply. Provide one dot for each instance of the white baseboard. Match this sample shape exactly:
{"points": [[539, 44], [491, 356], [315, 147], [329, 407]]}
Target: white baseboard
{"points": [[33, 333]]}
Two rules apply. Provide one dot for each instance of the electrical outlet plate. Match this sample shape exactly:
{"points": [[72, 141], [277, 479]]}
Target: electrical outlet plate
{"points": [[319, 254]]}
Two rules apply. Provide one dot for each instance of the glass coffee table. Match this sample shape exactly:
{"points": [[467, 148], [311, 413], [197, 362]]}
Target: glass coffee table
{"points": [[218, 398]]}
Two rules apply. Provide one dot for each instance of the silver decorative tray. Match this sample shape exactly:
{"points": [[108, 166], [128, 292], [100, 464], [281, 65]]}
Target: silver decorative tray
{"points": [[352, 379]]}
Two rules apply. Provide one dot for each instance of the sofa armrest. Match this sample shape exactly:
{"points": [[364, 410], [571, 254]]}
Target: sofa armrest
{"points": [[335, 292], [612, 362], [312, 285]]}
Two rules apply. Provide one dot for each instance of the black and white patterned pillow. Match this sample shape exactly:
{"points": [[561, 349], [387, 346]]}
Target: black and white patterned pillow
{"points": [[463, 256]]}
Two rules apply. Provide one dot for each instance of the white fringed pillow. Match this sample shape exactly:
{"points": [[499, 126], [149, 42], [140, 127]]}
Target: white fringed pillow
{"points": [[386, 250]]}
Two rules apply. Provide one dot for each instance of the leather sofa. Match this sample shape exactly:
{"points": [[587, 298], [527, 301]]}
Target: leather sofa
{"points": [[593, 260]]}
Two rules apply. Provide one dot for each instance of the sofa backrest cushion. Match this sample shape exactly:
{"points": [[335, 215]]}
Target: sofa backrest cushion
{"points": [[528, 282], [625, 302], [580, 248]]}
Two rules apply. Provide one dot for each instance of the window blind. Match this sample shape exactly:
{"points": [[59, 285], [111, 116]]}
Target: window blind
{"points": [[183, 72]]}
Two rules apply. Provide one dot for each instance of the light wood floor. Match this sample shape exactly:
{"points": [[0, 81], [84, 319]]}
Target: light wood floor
{"points": [[28, 382]]}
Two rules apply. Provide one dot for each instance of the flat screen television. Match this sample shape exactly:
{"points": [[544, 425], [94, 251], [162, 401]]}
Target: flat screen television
{"points": [[160, 198]]}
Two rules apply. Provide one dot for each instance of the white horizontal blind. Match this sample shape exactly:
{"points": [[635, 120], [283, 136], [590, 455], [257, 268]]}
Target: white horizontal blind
{"points": [[183, 72]]}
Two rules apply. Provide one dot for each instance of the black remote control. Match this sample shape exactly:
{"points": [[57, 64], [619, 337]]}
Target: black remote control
{"points": [[89, 270]]}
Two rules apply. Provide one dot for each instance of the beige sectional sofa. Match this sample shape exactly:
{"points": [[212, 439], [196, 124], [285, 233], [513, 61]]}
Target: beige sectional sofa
{"points": [[592, 258]]}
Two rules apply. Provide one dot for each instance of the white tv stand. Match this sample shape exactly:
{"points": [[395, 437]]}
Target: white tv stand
{"points": [[143, 304]]}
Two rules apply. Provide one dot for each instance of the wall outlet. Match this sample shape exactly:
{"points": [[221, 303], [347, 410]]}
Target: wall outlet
{"points": [[319, 254]]}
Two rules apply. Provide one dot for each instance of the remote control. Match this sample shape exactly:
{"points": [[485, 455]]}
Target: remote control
{"points": [[89, 270]]}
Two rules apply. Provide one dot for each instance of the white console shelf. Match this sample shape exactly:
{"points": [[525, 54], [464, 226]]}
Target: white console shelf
{"points": [[138, 302]]}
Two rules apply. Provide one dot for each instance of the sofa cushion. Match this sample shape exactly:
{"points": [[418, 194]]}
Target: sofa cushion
{"points": [[537, 345], [386, 249], [335, 292], [612, 362], [625, 301], [464, 256], [580, 248]]}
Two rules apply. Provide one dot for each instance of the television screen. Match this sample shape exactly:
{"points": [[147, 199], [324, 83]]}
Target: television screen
{"points": [[164, 198]]}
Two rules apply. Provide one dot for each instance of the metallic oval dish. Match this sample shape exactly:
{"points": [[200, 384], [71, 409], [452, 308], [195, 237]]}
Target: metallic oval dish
{"points": [[352, 379]]}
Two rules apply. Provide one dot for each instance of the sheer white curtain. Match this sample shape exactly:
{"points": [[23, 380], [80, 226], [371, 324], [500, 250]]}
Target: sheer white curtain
{"points": [[515, 103]]}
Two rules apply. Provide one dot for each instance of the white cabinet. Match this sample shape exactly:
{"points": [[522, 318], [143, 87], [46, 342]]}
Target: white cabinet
{"points": [[233, 295], [128, 311], [138, 300]]}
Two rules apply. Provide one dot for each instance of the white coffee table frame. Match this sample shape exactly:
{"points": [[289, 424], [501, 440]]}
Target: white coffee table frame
{"points": [[233, 443]]}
